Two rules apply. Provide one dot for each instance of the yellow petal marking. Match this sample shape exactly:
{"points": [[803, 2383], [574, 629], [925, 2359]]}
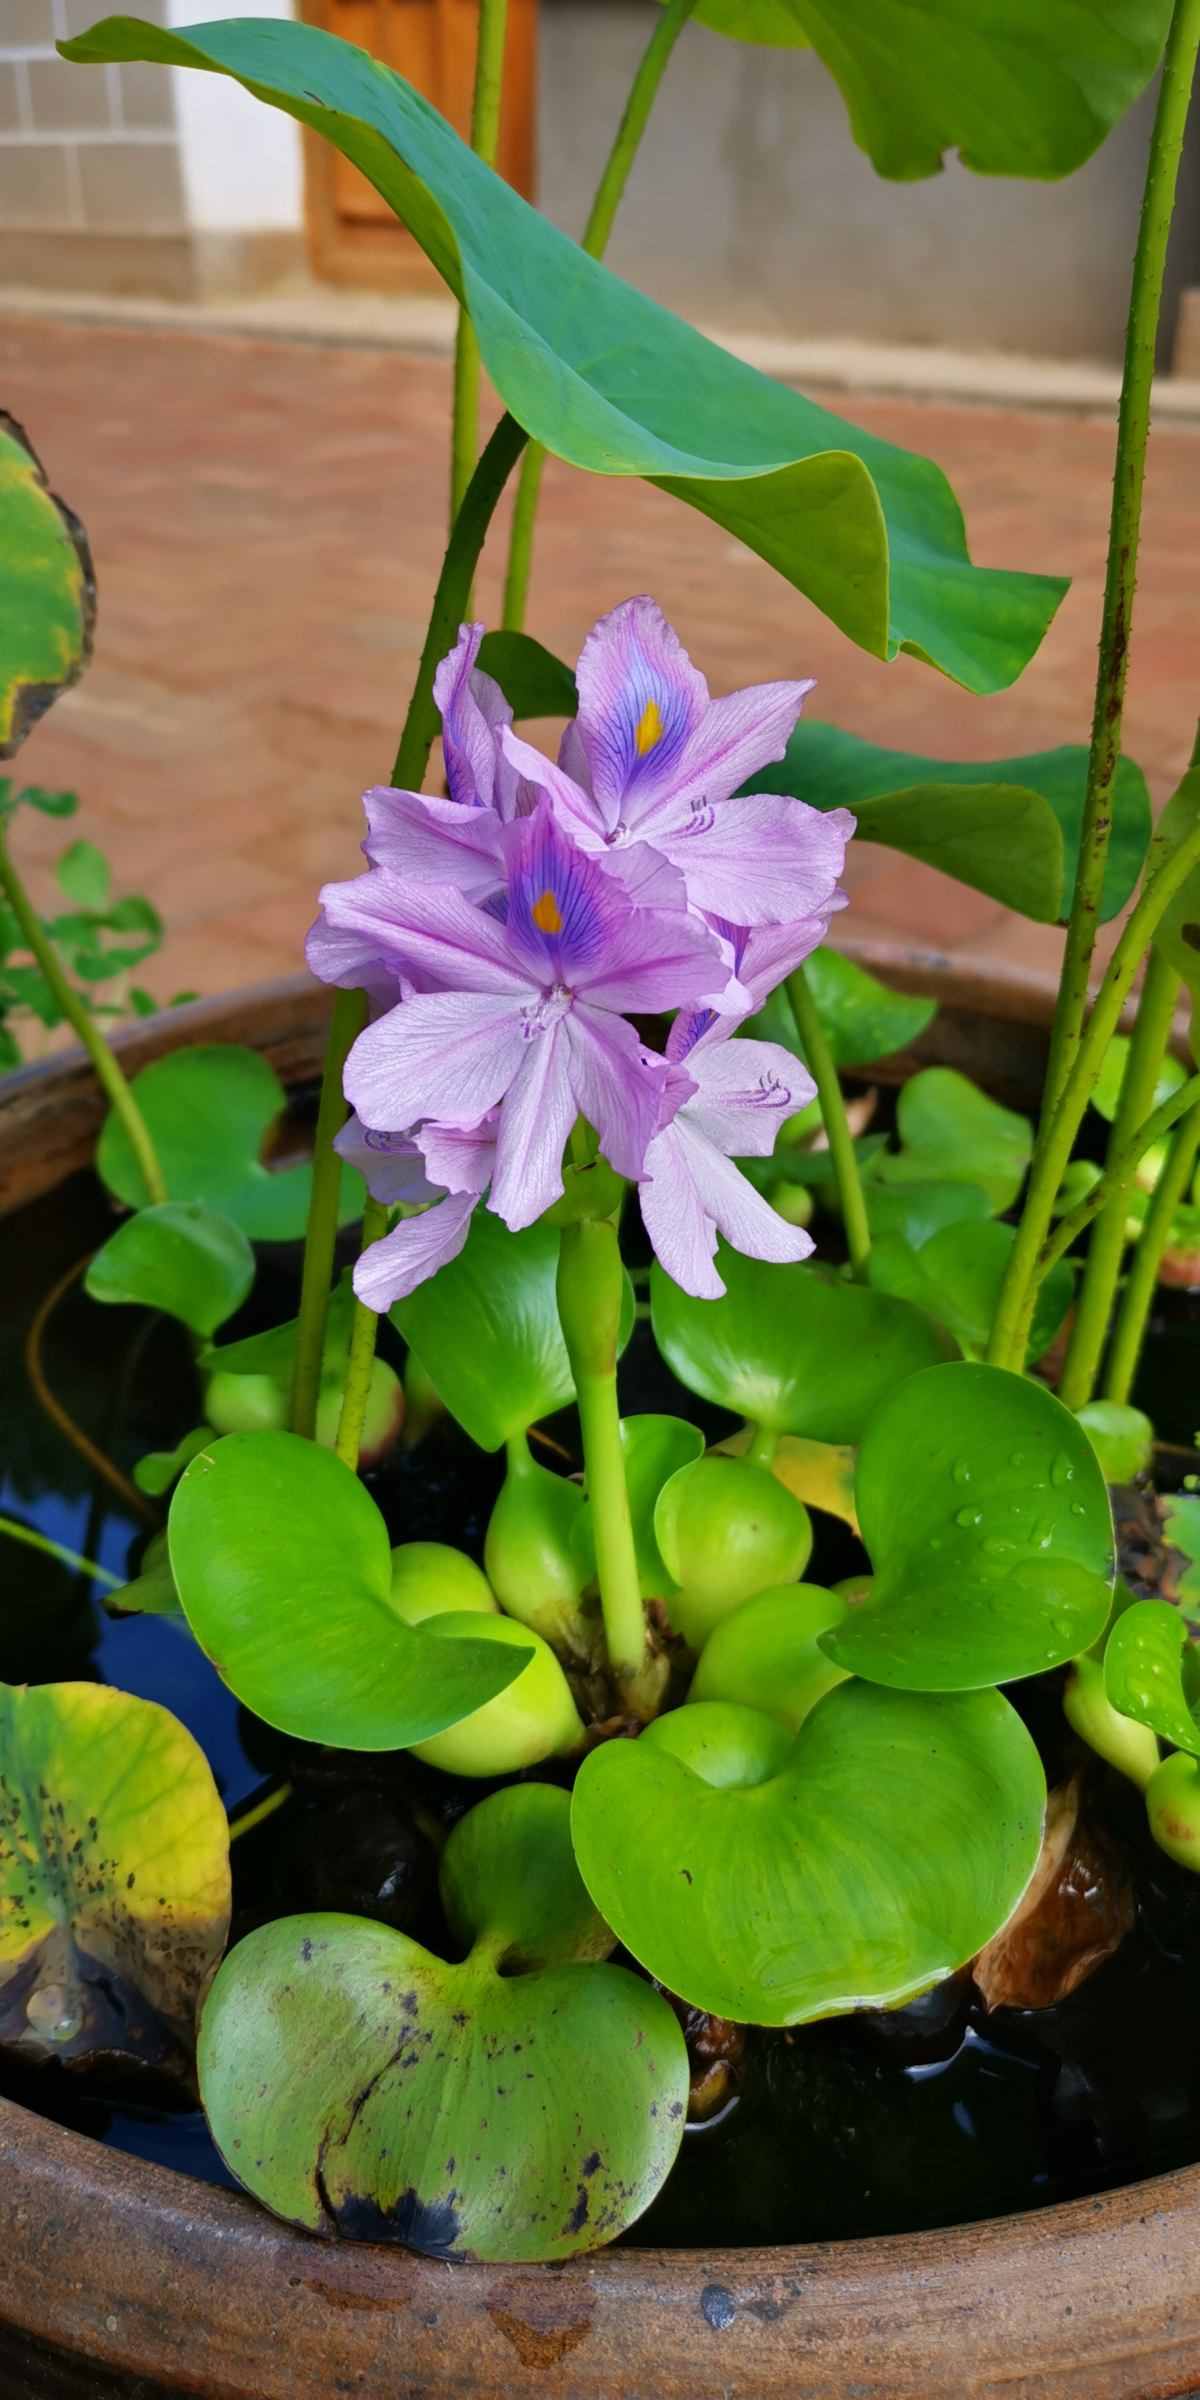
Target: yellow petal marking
{"points": [[649, 728], [546, 914]]}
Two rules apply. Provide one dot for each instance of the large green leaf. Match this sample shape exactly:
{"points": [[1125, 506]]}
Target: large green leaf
{"points": [[862, 1019], [359, 2085], [485, 1329], [1151, 1672], [210, 1110], [47, 591], [957, 1276], [1178, 935], [1018, 87], [612, 383], [1007, 826], [283, 1566], [114, 1878], [951, 1132], [863, 1861], [179, 1257], [986, 1516], [790, 1347]]}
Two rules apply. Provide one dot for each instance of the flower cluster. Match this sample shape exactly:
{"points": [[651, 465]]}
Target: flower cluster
{"points": [[508, 933]]}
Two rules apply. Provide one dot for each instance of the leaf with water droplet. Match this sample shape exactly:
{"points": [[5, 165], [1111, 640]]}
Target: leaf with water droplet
{"points": [[114, 1879], [1152, 1673], [963, 1606]]}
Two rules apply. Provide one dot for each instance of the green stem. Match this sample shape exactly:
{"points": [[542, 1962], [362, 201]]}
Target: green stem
{"points": [[833, 1116], [349, 1017], [1119, 1175], [350, 1008], [518, 1456], [1097, 1292], [1133, 425], [764, 1442], [610, 191], [1147, 1258], [590, 1284], [16, 1532], [1053, 1149], [360, 1360], [485, 133], [110, 1074], [262, 1809]]}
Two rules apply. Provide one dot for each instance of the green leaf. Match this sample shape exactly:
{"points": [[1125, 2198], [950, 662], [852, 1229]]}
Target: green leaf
{"points": [[1107, 1094], [1123, 1440], [1181, 1525], [534, 682], [791, 1348], [114, 1878], [209, 1111], [159, 1469], [1007, 826], [914, 1212], [151, 1592], [47, 593], [951, 1132], [654, 1448], [862, 1019], [1017, 89], [957, 1276], [273, 1352], [359, 2085], [987, 1521], [83, 873], [1151, 1672], [179, 1257], [896, 1838], [284, 1569], [485, 1329], [616, 385]]}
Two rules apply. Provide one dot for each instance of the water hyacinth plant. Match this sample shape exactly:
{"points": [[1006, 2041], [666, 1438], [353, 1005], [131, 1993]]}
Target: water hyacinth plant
{"points": [[584, 1104]]}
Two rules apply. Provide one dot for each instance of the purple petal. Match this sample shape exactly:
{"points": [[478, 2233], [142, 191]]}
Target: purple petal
{"points": [[426, 931], [564, 913], [350, 955], [766, 953], [429, 840], [690, 1194], [535, 1121], [737, 738], [760, 860], [390, 1164], [473, 710], [617, 1084], [393, 1267], [655, 959], [573, 805], [744, 1092], [446, 1055], [640, 701], [459, 1158]]}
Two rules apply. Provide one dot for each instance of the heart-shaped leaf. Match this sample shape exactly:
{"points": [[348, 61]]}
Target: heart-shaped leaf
{"points": [[1007, 826], [654, 1448], [359, 2085], [862, 1019], [951, 1132], [48, 602], [151, 1592], [485, 1329], [957, 1276], [791, 1348], [284, 1569], [209, 1111], [766, 1655], [914, 1212], [159, 1469], [987, 1520], [114, 1878], [1022, 89], [616, 385], [891, 1845], [179, 1257], [1151, 1672]]}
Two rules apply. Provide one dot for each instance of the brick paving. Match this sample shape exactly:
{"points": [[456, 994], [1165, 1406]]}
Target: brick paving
{"points": [[267, 518]]}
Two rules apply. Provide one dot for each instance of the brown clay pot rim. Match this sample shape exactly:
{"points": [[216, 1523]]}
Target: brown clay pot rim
{"points": [[146, 2272]]}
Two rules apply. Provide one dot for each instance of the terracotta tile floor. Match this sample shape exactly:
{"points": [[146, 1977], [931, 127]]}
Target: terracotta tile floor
{"points": [[267, 518]]}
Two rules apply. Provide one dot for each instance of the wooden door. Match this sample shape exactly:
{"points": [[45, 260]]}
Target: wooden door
{"points": [[353, 236]]}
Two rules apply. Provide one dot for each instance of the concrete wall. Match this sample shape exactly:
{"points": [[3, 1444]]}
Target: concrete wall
{"points": [[751, 207]]}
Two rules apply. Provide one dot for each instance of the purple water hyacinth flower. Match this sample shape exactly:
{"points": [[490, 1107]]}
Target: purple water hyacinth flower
{"points": [[653, 761], [452, 1173], [730, 1101], [523, 1013], [455, 840]]}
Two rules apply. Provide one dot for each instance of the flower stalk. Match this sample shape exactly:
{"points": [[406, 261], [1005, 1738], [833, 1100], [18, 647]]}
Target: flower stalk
{"points": [[1133, 426], [1148, 1047], [109, 1072], [610, 191], [590, 1290], [823, 1068], [361, 1358], [1142, 1280], [485, 134]]}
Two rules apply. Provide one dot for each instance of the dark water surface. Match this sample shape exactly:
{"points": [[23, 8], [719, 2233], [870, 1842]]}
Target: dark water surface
{"points": [[934, 2115]]}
